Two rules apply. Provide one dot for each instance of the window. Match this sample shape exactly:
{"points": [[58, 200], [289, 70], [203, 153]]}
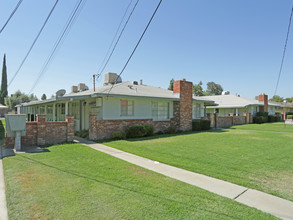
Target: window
{"points": [[196, 110], [160, 110], [127, 108]]}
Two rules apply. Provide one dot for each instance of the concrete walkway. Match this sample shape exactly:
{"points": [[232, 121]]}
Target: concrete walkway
{"points": [[3, 206], [267, 203]]}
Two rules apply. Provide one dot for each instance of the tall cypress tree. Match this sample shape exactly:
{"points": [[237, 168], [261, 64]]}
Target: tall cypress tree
{"points": [[3, 91]]}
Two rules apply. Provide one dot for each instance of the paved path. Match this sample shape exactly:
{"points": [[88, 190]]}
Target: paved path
{"points": [[3, 206], [267, 203]]}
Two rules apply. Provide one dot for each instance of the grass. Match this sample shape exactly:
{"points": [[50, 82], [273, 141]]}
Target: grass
{"points": [[278, 127], [253, 158], [76, 182]]}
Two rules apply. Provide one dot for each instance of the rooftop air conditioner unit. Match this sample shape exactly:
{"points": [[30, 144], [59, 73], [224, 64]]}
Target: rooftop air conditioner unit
{"points": [[112, 78]]}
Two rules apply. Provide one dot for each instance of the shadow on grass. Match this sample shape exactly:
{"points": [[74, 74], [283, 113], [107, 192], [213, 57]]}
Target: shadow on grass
{"points": [[157, 136], [103, 181]]}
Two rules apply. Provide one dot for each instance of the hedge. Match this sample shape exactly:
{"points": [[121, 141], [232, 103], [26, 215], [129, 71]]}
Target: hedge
{"points": [[201, 124], [137, 131], [274, 118], [119, 135], [289, 116]]}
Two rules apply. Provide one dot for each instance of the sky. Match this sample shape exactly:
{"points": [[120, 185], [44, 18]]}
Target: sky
{"points": [[237, 44]]}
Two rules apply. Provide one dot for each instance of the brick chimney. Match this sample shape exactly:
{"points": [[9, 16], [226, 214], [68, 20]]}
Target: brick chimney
{"points": [[264, 98], [184, 116]]}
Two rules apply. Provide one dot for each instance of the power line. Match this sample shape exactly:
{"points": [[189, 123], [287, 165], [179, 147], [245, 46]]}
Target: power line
{"points": [[74, 14], [284, 52], [31, 47], [103, 62], [113, 49], [136, 45], [11, 15]]}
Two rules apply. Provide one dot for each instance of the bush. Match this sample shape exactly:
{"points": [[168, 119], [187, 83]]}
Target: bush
{"points": [[196, 125], [289, 116], [257, 120], [265, 114], [149, 130], [136, 131], [205, 124], [119, 135], [290, 113], [274, 118], [199, 125], [82, 134], [170, 130]]}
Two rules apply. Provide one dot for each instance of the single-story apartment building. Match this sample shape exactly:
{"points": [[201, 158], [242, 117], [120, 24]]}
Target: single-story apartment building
{"points": [[227, 105], [116, 106]]}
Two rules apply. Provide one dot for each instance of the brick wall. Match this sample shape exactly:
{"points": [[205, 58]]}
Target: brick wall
{"points": [[263, 98], [228, 121], [42, 133], [102, 129], [184, 88]]}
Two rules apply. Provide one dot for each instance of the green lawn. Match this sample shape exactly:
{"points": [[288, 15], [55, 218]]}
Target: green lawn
{"points": [[257, 159], [76, 182], [278, 127]]}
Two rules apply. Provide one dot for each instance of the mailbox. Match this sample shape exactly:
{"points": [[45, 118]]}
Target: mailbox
{"points": [[15, 127]]}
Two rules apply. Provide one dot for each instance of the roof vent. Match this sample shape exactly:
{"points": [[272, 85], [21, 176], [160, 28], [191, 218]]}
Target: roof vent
{"points": [[60, 92], [135, 83], [225, 93]]}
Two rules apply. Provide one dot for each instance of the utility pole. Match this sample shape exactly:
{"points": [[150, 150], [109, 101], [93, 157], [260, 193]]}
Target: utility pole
{"points": [[94, 81]]}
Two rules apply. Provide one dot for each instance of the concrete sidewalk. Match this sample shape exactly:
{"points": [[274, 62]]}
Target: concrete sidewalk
{"points": [[267, 203], [3, 206]]}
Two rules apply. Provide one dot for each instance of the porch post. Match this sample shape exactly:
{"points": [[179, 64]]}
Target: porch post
{"points": [[54, 112], [66, 108]]}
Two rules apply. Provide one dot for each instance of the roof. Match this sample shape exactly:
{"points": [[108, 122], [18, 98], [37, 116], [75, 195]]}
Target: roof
{"points": [[232, 101], [125, 89], [282, 104], [3, 106]]}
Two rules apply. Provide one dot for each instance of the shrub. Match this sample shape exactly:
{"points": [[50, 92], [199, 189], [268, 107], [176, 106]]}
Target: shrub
{"points": [[265, 114], [170, 130], [149, 130], [289, 116], [290, 113], [205, 124], [119, 135], [82, 133], [257, 120], [196, 125], [136, 131], [274, 118]]}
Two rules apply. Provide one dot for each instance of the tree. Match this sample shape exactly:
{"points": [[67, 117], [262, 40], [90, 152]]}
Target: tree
{"points": [[171, 84], [214, 89], [44, 97], [289, 99], [17, 98], [197, 89], [3, 90], [277, 98]]}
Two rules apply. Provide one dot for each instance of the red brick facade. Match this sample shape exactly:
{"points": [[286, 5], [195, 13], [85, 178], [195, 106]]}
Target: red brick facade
{"points": [[184, 89], [42, 133], [182, 117], [263, 98], [227, 121]]}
